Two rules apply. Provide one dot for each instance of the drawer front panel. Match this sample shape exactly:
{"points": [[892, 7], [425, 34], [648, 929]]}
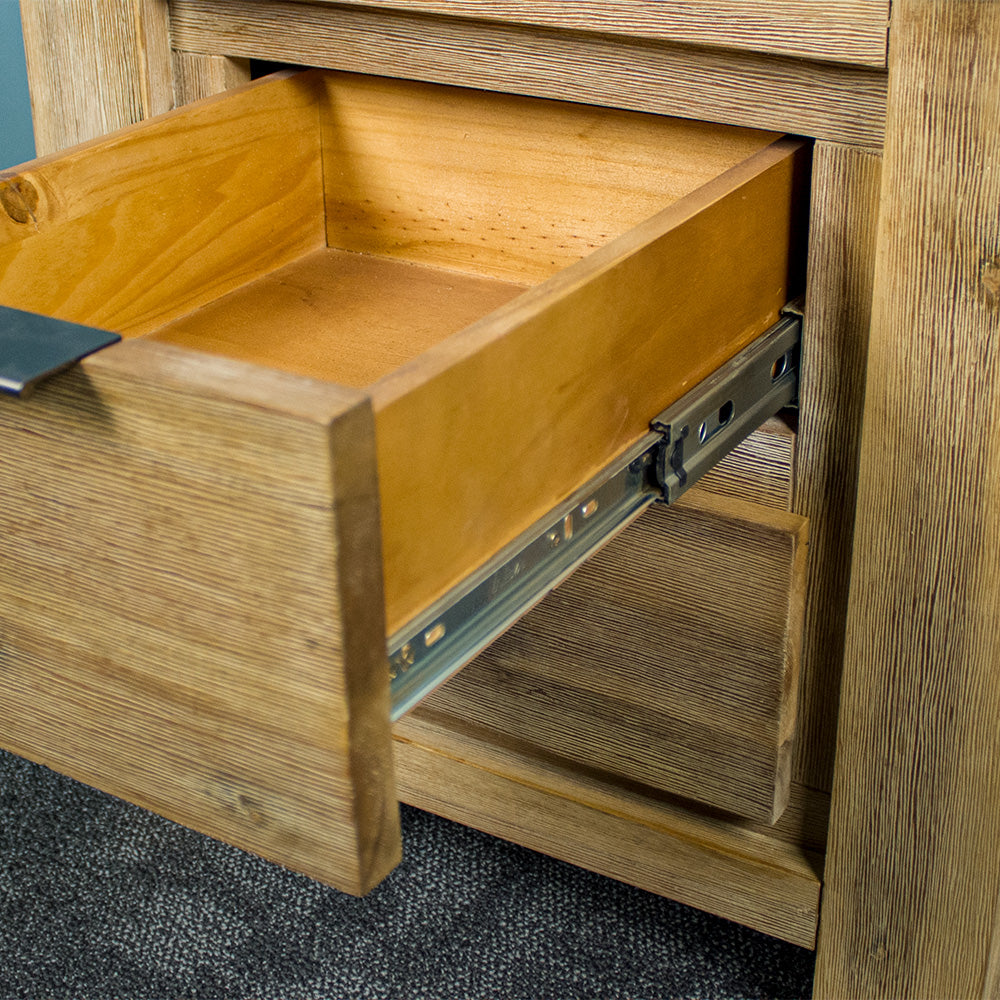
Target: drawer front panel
{"points": [[847, 31], [184, 613], [841, 102]]}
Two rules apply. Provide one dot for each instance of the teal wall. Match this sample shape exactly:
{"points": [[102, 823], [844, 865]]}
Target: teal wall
{"points": [[17, 143]]}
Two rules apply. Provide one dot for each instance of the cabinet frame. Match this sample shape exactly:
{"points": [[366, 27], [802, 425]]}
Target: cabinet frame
{"points": [[877, 926]]}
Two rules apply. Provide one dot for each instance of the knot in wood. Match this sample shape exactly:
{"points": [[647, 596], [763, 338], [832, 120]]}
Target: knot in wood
{"points": [[990, 279], [19, 198]]}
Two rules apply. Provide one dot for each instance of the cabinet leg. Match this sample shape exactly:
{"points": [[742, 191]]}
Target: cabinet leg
{"points": [[94, 68], [913, 868]]}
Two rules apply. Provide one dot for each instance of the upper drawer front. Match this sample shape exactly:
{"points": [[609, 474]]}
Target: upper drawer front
{"points": [[807, 68], [844, 31], [373, 330]]}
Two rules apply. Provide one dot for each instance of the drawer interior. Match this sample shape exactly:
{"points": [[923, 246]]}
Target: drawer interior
{"points": [[381, 234], [431, 207]]}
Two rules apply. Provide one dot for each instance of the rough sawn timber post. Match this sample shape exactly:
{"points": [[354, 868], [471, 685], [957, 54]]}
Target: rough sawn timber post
{"points": [[913, 869], [94, 68], [97, 67]]}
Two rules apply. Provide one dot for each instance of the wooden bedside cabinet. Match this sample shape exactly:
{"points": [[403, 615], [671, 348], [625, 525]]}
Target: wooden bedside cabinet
{"points": [[606, 726]]}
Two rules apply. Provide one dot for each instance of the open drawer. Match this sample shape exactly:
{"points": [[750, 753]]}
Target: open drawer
{"points": [[372, 331]]}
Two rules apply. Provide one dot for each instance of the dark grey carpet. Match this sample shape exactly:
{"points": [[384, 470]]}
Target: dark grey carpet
{"points": [[99, 899]]}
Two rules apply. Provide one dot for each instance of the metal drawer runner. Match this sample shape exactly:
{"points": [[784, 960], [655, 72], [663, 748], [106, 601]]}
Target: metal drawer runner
{"points": [[683, 443]]}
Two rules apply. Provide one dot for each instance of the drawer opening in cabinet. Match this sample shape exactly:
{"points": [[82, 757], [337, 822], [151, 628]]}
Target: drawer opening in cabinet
{"points": [[489, 268]]}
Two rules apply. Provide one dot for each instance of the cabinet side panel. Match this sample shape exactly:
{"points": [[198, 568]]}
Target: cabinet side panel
{"points": [[844, 213], [94, 67], [913, 871], [179, 607]]}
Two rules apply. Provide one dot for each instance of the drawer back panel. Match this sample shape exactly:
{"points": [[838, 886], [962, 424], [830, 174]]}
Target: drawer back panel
{"points": [[509, 187]]}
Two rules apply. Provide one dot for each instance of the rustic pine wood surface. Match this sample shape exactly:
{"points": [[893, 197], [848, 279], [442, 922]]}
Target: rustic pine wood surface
{"points": [[120, 48], [841, 103], [195, 77], [671, 658], [762, 468], [842, 231], [799, 67], [822, 99], [611, 826], [913, 874], [190, 547], [843, 31]]}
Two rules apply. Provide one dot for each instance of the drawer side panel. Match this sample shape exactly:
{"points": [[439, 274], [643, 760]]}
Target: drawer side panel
{"points": [[127, 232], [500, 423]]}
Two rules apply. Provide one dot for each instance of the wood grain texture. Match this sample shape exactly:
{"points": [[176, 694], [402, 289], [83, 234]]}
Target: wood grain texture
{"points": [[241, 171], [844, 214], [94, 67], [196, 77], [843, 103], [509, 187], [130, 231], [670, 658], [581, 395], [760, 469], [186, 614], [845, 31], [611, 827], [347, 318], [913, 873]]}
